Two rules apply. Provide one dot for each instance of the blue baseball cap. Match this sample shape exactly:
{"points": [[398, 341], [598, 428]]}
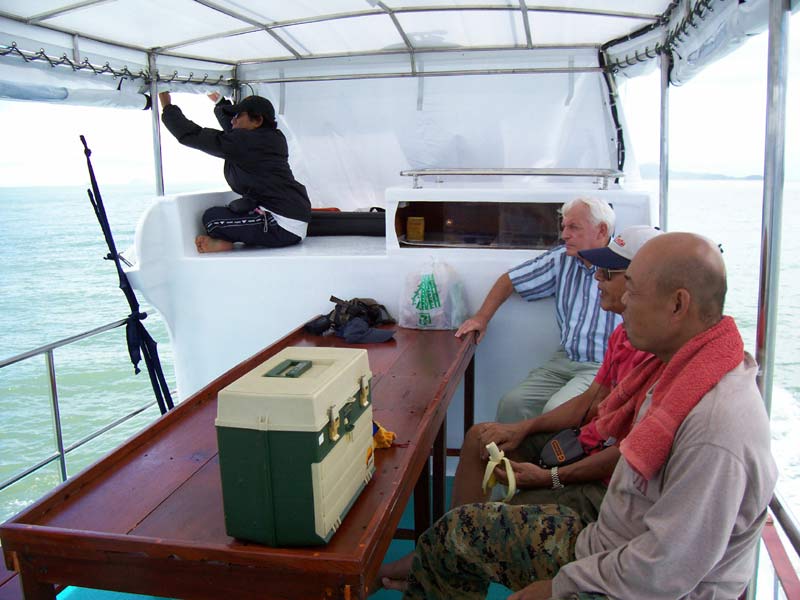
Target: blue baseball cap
{"points": [[622, 247], [358, 331]]}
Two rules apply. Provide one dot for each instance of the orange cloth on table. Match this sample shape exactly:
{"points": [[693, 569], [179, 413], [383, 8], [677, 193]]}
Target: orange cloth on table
{"points": [[679, 385], [381, 437]]}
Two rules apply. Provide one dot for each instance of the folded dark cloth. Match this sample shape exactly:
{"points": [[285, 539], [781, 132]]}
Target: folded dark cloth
{"points": [[358, 331]]}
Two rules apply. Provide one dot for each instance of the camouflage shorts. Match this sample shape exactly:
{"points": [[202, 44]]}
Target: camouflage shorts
{"points": [[475, 544]]}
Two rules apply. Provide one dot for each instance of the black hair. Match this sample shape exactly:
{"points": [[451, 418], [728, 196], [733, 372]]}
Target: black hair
{"points": [[265, 121]]}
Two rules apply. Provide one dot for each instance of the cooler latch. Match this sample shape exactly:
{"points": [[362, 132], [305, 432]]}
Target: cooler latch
{"points": [[364, 391], [333, 423]]}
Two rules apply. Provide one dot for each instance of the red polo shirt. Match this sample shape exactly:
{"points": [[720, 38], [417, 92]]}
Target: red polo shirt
{"points": [[620, 358]]}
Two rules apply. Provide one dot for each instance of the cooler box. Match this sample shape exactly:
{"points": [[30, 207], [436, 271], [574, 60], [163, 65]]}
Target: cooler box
{"points": [[295, 445]]}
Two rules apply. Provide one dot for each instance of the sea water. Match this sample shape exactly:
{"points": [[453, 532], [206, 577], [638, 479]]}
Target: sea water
{"points": [[54, 283]]}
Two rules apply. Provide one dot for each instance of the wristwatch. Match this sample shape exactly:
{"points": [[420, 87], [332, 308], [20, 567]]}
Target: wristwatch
{"points": [[557, 485]]}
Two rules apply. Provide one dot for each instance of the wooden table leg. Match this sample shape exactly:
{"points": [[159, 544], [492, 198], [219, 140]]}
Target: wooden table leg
{"points": [[440, 472], [33, 589], [469, 395], [422, 502]]}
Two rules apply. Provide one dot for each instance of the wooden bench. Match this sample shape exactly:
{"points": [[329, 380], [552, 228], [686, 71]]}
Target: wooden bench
{"points": [[148, 518], [9, 584]]}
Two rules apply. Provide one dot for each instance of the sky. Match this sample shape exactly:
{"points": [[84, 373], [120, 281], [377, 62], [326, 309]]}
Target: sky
{"points": [[716, 126], [717, 119]]}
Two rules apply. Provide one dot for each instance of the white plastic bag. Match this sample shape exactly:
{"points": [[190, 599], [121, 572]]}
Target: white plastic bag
{"points": [[433, 298]]}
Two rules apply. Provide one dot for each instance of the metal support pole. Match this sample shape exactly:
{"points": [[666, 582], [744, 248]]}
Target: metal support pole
{"points": [[772, 207], [151, 62], [771, 211], [663, 169], [51, 374], [236, 92]]}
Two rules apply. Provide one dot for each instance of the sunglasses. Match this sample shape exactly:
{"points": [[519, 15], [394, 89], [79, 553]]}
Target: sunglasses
{"points": [[607, 274]]}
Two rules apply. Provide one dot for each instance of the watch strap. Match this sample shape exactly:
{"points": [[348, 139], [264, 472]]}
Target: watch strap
{"points": [[557, 485]]}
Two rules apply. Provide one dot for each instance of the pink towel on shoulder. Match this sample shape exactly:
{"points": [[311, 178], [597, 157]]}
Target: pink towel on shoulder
{"points": [[680, 384]]}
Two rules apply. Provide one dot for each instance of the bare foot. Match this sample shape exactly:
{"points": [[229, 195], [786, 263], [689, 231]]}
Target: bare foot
{"points": [[392, 576], [401, 585], [208, 244]]}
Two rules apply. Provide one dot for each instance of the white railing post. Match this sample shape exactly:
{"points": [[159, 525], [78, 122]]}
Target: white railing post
{"points": [[772, 205], [663, 169], [155, 106]]}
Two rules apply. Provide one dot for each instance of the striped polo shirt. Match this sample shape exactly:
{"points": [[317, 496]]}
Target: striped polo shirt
{"points": [[585, 327]]}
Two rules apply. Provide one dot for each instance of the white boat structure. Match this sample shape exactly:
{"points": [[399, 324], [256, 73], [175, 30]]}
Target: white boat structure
{"points": [[482, 117]]}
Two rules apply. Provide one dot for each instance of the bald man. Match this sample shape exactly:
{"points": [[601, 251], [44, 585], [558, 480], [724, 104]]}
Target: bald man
{"points": [[688, 499]]}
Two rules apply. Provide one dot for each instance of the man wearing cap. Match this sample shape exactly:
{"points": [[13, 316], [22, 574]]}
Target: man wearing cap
{"points": [[688, 498], [274, 209], [580, 485], [584, 326]]}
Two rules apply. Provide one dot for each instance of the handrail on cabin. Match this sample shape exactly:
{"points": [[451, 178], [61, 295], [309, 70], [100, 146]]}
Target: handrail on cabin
{"points": [[598, 174]]}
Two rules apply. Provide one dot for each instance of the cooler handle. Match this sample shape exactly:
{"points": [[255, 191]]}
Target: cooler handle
{"points": [[289, 368]]}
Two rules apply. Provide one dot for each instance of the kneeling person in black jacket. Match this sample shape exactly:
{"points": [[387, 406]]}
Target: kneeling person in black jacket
{"points": [[274, 209]]}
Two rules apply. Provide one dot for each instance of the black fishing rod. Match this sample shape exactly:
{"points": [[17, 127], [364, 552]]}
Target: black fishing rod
{"points": [[140, 343]]}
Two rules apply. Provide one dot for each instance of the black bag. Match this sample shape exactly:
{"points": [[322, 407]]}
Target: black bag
{"points": [[348, 223], [366, 308], [561, 449], [318, 326], [564, 447]]}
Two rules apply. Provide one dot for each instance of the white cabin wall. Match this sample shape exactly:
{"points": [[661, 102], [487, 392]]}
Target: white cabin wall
{"points": [[222, 308]]}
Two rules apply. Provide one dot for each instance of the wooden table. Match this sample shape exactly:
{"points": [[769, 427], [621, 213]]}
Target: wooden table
{"points": [[148, 518]]}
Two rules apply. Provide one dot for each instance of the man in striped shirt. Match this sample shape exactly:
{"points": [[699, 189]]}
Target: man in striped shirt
{"points": [[585, 327]]}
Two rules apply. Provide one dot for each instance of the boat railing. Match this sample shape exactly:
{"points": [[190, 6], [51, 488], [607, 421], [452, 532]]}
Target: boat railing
{"points": [[786, 572], [600, 176], [61, 450]]}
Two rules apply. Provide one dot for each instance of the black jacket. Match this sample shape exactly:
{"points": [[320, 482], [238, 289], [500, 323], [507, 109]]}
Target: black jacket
{"points": [[256, 161]]}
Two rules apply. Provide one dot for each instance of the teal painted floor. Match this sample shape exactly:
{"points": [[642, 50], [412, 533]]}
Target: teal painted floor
{"points": [[397, 549], [400, 548]]}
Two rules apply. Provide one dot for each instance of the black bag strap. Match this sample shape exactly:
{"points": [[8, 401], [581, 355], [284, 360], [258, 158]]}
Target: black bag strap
{"points": [[588, 408], [583, 422], [140, 343]]}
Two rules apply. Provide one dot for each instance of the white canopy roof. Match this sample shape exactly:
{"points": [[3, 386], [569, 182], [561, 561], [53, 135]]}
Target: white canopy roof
{"points": [[365, 89], [272, 40]]}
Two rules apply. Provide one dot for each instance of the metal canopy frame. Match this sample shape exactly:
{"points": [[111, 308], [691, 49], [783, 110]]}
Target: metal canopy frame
{"points": [[274, 29]]}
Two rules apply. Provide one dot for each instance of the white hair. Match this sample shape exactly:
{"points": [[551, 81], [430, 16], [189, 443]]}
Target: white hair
{"points": [[599, 211]]}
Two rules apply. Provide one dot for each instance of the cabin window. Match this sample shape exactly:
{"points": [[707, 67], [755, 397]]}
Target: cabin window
{"points": [[477, 224]]}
